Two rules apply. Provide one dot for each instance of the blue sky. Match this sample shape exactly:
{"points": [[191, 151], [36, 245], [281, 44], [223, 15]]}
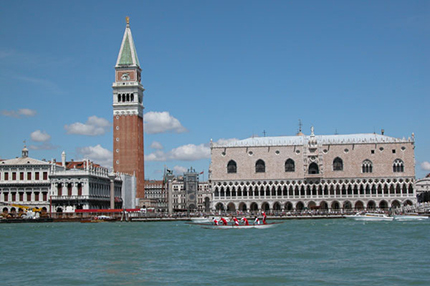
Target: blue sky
{"points": [[212, 70]]}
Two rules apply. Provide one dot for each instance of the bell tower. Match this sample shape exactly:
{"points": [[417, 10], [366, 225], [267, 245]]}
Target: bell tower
{"points": [[128, 155]]}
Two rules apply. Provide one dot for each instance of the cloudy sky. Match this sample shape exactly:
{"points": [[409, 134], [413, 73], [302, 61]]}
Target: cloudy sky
{"points": [[219, 70]]}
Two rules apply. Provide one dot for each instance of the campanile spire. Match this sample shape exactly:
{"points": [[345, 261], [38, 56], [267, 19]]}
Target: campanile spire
{"points": [[128, 113]]}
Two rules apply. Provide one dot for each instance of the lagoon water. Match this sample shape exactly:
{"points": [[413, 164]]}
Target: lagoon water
{"points": [[297, 252]]}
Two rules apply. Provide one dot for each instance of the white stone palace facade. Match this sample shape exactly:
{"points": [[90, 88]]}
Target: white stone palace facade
{"points": [[56, 187], [313, 172]]}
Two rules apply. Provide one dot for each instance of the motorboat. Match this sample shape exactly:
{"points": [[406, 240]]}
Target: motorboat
{"points": [[370, 217], [410, 217]]}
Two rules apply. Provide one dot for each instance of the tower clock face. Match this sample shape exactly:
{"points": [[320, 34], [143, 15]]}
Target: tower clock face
{"points": [[125, 76]]}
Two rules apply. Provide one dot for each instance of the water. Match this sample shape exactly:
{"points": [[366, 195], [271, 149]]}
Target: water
{"points": [[297, 252]]}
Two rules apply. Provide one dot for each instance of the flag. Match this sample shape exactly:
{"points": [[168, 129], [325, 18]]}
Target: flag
{"points": [[201, 173]]}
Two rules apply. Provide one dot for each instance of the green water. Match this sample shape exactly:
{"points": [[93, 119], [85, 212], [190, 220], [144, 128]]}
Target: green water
{"points": [[309, 252]]}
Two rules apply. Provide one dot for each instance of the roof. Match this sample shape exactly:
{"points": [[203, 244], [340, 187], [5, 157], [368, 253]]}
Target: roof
{"points": [[23, 161], [321, 139], [127, 54]]}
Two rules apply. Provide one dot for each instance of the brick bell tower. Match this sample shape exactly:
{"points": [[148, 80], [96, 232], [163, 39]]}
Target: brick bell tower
{"points": [[128, 113]]}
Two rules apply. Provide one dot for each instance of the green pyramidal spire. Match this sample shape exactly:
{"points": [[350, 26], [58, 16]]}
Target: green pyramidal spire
{"points": [[127, 54]]}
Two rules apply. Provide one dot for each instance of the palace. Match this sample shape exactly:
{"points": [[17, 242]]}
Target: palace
{"points": [[318, 172]]}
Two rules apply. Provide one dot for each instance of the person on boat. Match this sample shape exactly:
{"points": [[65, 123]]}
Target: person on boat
{"points": [[215, 221], [236, 222], [256, 220], [264, 218], [224, 221], [245, 221]]}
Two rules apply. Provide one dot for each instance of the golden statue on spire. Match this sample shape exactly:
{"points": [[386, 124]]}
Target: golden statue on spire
{"points": [[127, 20]]}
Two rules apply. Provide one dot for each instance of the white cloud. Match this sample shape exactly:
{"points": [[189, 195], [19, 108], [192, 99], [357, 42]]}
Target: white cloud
{"points": [[23, 112], [188, 152], [93, 127], [161, 122], [156, 145], [223, 141], [179, 170], [97, 154], [40, 136], [425, 166]]}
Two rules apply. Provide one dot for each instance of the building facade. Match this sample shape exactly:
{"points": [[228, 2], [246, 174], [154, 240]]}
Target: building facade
{"points": [[422, 188], [128, 146], [83, 185], [55, 187], [319, 172], [25, 184]]}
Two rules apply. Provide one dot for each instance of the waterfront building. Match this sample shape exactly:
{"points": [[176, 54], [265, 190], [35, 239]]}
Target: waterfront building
{"points": [[25, 184], [50, 186], [83, 185], [422, 188], [155, 195], [313, 172], [128, 146]]}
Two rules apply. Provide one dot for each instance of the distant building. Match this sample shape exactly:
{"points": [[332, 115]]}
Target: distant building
{"points": [[187, 193], [320, 172]]}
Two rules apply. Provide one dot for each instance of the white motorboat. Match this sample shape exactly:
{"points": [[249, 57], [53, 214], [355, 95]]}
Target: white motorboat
{"points": [[410, 217], [371, 217]]}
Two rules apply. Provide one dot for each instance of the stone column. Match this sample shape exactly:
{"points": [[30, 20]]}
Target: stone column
{"points": [[112, 190]]}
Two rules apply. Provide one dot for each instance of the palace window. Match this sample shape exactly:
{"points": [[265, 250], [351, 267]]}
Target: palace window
{"points": [[337, 164], [260, 166], [289, 166], [313, 169], [367, 166], [398, 166], [231, 167]]}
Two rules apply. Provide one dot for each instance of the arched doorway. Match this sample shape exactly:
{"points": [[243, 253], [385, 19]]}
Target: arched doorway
{"points": [[288, 206], [407, 203], [265, 207], [395, 204], [359, 205], [323, 205], [242, 207], [312, 205], [347, 205], [335, 205], [383, 205], [254, 207], [219, 207], [277, 206], [300, 206], [231, 207], [371, 205]]}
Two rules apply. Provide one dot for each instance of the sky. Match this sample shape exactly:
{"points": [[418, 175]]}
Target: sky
{"points": [[212, 70]]}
